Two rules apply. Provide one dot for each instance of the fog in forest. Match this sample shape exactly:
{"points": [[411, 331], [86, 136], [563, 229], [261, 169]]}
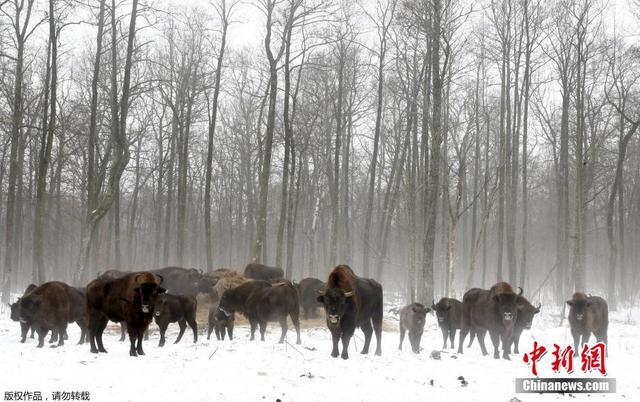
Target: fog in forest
{"points": [[435, 145]]}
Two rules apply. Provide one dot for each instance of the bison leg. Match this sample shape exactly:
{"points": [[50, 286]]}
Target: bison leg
{"points": [[183, 327], [506, 347], [516, 341], [62, 329], [83, 331], [229, 330], [495, 339], [284, 328], [368, 331], [576, 339], [54, 336], [139, 346], [414, 339], [254, 324], [444, 331], [218, 336], [33, 330], [210, 325], [163, 329], [41, 334], [194, 326], [295, 318], [472, 336], [346, 338], [335, 338], [263, 329], [452, 336], [463, 334], [123, 331], [24, 330], [92, 331], [402, 333], [481, 334], [102, 325], [377, 328], [133, 337]]}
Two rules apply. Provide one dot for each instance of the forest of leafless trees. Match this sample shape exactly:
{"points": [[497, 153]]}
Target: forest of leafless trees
{"points": [[435, 145]]}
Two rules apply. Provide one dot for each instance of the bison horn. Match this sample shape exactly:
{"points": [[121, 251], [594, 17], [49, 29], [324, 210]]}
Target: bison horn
{"points": [[348, 294], [520, 292], [322, 291], [161, 278]]}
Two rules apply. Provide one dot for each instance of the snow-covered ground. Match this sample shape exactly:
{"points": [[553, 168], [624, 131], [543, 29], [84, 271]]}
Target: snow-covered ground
{"points": [[240, 370]]}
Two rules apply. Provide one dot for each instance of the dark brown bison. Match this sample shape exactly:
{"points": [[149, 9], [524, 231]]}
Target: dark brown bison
{"points": [[494, 310], [263, 272], [412, 320], [15, 315], [587, 315], [350, 302], [48, 308], [130, 298], [449, 314], [262, 302], [308, 292], [220, 322], [176, 308], [183, 281]]}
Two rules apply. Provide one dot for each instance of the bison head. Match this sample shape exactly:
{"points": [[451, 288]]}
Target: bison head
{"points": [[526, 312], [580, 305], [28, 307], [417, 314], [507, 308], [227, 303], [442, 309], [146, 291], [15, 310], [161, 306], [335, 304]]}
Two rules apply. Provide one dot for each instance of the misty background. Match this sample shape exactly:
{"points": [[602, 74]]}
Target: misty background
{"points": [[435, 145]]}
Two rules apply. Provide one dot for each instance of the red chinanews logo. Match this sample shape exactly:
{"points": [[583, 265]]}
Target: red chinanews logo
{"points": [[592, 358]]}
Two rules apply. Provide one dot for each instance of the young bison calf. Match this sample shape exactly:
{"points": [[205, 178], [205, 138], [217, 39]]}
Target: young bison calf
{"points": [[412, 319], [588, 314], [449, 314], [220, 322], [176, 308]]}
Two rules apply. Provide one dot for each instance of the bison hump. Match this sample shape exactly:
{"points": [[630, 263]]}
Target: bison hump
{"points": [[500, 288], [342, 277]]}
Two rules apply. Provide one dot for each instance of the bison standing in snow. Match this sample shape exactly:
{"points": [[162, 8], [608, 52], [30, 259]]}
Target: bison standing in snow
{"points": [[130, 298], [588, 314], [220, 322], [350, 302], [494, 310], [449, 314], [412, 320], [176, 308], [49, 308], [15, 315]]}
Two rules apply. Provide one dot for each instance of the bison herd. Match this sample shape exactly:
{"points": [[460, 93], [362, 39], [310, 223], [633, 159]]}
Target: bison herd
{"points": [[262, 295]]}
